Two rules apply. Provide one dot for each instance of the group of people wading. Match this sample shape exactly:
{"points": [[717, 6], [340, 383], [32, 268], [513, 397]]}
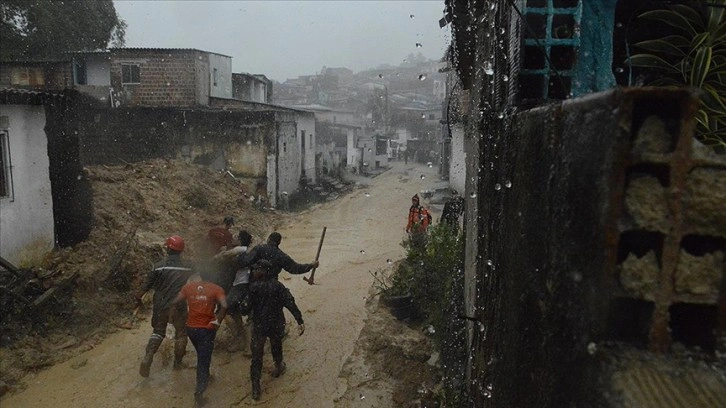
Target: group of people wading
{"points": [[233, 280]]}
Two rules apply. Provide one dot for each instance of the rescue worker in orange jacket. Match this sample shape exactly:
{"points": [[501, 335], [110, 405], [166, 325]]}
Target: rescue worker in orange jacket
{"points": [[419, 217]]}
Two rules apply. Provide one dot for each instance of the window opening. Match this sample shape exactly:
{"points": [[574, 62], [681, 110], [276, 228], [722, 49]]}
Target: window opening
{"points": [[80, 72], [215, 76], [5, 168], [130, 74], [550, 45]]}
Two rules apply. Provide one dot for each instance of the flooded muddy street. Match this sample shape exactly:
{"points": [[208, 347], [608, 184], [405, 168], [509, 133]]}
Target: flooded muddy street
{"points": [[364, 231]]}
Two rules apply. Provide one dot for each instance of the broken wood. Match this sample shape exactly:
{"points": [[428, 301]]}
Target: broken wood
{"points": [[52, 291], [10, 267], [115, 265]]}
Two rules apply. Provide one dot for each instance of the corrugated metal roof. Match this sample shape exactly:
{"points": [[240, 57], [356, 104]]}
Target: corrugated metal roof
{"points": [[142, 49]]}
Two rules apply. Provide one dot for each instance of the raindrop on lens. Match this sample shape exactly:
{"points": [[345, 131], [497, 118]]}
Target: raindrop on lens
{"points": [[423, 177], [430, 164], [380, 76], [418, 45], [488, 68], [367, 194], [508, 184], [619, 70], [412, 16], [388, 261], [497, 186], [362, 397], [363, 251], [422, 77], [472, 195], [489, 262], [500, 115], [505, 78]]}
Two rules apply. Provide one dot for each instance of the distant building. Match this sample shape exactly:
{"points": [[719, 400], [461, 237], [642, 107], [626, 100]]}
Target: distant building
{"points": [[251, 88]]}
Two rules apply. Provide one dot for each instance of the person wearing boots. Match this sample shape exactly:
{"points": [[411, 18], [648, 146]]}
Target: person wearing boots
{"points": [[237, 294], [267, 297], [167, 278], [202, 298]]}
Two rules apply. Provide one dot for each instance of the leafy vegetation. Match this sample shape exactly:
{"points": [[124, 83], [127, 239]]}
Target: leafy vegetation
{"points": [[34, 29], [694, 55], [428, 275]]}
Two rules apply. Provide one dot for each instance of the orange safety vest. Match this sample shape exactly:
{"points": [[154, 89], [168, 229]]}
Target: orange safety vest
{"points": [[418, 219]]}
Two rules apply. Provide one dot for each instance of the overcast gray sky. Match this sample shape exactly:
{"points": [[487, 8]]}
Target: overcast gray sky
{"points": [[284, 39]]}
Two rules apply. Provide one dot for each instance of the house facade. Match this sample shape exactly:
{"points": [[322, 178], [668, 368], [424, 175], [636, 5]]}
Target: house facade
{"points": [[168, 77], [26, 204]]}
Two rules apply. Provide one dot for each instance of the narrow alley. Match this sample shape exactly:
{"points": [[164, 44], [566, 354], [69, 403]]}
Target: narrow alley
{"points": [[364, 231]]}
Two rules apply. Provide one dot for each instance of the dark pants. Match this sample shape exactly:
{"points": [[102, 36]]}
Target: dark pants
{"points": [[203, 342], [177, 316], [259, 335], [235, 297]]}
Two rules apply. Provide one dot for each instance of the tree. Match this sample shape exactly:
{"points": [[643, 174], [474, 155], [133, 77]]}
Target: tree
{"points": [[38, 29]]}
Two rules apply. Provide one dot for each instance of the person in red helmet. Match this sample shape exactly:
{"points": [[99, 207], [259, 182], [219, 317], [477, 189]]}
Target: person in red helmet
{"points": [[167, 278]]}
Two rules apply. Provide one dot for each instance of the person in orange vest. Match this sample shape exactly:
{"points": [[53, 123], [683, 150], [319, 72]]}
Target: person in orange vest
{"points": [[419, 217], [419, 220], [202, 298]]}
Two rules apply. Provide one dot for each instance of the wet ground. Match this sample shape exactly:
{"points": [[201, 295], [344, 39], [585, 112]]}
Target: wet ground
{"points": [[364, 230]]}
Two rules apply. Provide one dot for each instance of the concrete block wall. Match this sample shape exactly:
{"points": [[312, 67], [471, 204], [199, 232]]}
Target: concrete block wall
{"points": [[167, 78], [672, 231]]}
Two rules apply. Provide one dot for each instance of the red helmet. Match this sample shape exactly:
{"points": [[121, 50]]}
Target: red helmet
{"points": [[175, 242]]}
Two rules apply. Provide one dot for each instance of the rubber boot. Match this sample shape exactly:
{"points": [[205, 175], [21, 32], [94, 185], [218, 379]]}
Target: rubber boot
{"points": [[180, 349], [151, 347], [279, 369], [256, 390], [145, 366]]}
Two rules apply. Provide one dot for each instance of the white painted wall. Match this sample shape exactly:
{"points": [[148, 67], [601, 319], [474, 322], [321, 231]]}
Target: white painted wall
{"points": [[26, 218], [288, 158], [306, 123], [352, 149], [457, 163], [223, 64], [98, 70]]}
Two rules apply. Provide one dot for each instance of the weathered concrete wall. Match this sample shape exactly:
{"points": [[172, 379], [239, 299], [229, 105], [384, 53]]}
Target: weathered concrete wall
{"points": [[133, 134], [223, 65], [289, 168], [542, 273], [98, 70], [26, 215], [306, 130], [457, 164]]}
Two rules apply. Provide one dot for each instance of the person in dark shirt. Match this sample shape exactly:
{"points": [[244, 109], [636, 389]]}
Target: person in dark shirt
{"points": [[267, 298], [167, 278], [453, 209], [277, 259]]}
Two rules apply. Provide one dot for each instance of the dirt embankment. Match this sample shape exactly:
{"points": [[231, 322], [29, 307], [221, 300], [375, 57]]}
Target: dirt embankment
{"points": [[135, 208]]}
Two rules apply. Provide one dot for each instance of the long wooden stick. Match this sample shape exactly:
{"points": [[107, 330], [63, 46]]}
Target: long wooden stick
{"points": [[311, 280]]}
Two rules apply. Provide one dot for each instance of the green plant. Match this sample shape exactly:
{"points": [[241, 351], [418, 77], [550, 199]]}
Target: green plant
{"points": [[427, 274], [694, 55]]}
